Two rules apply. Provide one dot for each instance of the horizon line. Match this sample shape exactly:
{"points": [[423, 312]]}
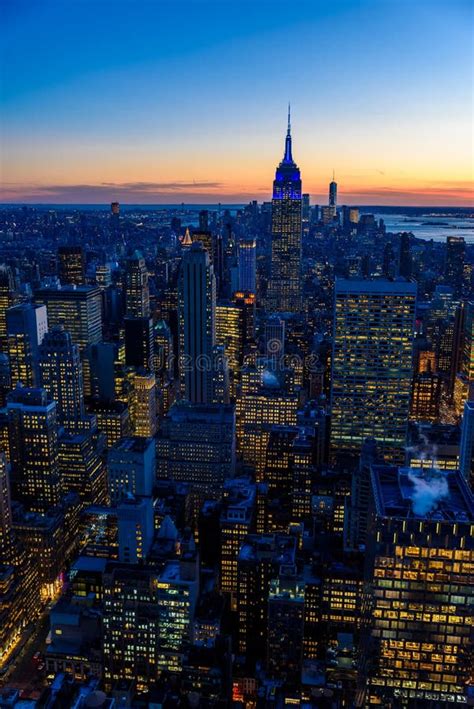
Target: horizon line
{"points": [[200, 204]]}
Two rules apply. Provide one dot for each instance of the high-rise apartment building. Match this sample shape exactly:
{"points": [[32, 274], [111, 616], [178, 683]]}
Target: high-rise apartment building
{"points": [[371, 364]]}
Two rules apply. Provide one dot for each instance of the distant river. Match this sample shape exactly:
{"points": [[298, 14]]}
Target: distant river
{"points": [[436, 228]]}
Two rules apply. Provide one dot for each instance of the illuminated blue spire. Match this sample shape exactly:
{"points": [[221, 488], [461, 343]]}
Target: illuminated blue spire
{"points": [[288, 158]]}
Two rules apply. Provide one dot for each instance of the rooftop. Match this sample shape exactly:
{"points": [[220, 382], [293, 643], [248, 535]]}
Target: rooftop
{"points": [[134, 444], [415, 493], [375, 286]]}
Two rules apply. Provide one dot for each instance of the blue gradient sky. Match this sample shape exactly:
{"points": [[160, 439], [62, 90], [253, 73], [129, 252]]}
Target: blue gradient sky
{"points": [[185, 100]]}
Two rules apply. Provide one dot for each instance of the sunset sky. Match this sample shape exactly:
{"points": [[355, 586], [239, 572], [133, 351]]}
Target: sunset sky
{"points": [[161, 101]]}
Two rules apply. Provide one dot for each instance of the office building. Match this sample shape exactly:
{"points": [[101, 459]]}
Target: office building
{"points": [[61, 375], [82, 468], [196, 444], [139, 342], [6, 538], [135, 528], [176, 593], [137, 294], [236, 520], [230, 334], [466, 448], [275, 340], [143, 405], [71, 265], [26, 326], [113, 420], [33, 440], [103, 359], [8, 298], [417, 642], [147, 619], [247, 303], [426, 397], [371, 365], [259, 406], [284, 288], [260, 559], [454, 267], [285, 625], [131, 468], [130, 625], [196, 309], [77, 308], [247, 260]]}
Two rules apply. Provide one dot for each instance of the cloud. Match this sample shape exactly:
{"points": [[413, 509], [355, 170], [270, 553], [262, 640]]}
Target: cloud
{"points": [[160, 186], [131, 192], [212, 191]]}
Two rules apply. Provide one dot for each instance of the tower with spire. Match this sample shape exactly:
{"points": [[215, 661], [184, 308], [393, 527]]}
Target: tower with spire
{"points": [[284, 288], [333, 195]]}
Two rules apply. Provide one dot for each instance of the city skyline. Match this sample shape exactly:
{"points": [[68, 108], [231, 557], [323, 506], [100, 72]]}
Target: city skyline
{"points": [[165, 103]]}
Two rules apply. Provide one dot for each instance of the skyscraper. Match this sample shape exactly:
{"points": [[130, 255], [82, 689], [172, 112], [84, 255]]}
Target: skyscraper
{"points": [[455, 255], [404, 255], [371, 364], [71, 265], [196, 444], [284, 288], [61, 376], [137, 304], [247, 256], [333, 196], [417, 648], [131, 467], [6, 539], [230, 334], [7, 299], [143, 405], [196, 310], [139, 343], [26, 326], [466, 447], [33, 438], [78, 309]]}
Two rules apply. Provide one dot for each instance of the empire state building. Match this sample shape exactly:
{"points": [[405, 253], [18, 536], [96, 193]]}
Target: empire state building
{"points": [[284, 291]]}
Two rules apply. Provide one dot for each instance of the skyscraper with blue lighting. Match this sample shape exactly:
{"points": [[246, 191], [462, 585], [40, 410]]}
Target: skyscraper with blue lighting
{"points": [[284, 289]]}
